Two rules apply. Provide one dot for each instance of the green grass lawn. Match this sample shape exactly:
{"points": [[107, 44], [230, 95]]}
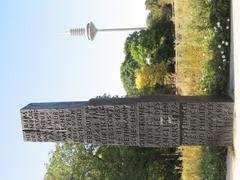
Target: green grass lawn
{"points": [[203, 40], [213, 163], [202, 67]]}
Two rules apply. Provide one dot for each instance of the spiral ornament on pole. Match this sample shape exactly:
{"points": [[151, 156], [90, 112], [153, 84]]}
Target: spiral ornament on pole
{"points": [[77, 32]]}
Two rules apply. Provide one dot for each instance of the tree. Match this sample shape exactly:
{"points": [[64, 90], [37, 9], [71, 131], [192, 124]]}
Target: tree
{"points": [[72, 161], [75, 161], [128, 68], [159, 8], [151, 46]]}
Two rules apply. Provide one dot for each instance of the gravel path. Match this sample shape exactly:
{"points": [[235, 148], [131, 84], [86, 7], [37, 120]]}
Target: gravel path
{"points": [[233, 158]]}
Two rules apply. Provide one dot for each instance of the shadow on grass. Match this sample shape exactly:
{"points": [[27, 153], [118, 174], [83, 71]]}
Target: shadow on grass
{"points": [[213, 163], [216, 72]]}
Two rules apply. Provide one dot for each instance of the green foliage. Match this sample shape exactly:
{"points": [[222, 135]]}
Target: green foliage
{"points": [[213, 163], [150, 76], [156, 43], [112, 162], [163, 45], [215, 73], [128, 68], [214, 79], [159, 8], [149, 47], [71, 161], [59, 167], [141, 46]]}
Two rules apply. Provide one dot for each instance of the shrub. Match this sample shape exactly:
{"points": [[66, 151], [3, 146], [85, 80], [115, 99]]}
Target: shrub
{"points": [[150, 76]]}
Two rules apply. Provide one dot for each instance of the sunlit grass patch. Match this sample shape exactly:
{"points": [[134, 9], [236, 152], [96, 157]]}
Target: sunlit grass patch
{"points": [[193, 38], [191, 156]]}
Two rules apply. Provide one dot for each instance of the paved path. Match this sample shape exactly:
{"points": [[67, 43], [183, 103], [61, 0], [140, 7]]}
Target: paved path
{"points": [[233, 158]]}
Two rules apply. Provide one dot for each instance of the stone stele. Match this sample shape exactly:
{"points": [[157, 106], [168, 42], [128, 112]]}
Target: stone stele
{"points": [[168, 121]]}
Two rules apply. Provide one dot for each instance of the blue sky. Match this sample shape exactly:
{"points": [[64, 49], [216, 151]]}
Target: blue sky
{"points": [[40, 64]]}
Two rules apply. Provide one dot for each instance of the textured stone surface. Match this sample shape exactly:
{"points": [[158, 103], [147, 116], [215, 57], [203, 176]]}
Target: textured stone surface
{"points": [[147, 121]]}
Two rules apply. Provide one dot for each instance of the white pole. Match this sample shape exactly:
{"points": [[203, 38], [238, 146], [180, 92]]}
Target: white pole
{"points": [[122, 29]]}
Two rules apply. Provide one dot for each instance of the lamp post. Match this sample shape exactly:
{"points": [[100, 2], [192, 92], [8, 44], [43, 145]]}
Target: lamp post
{"points": [[90, 31]]}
